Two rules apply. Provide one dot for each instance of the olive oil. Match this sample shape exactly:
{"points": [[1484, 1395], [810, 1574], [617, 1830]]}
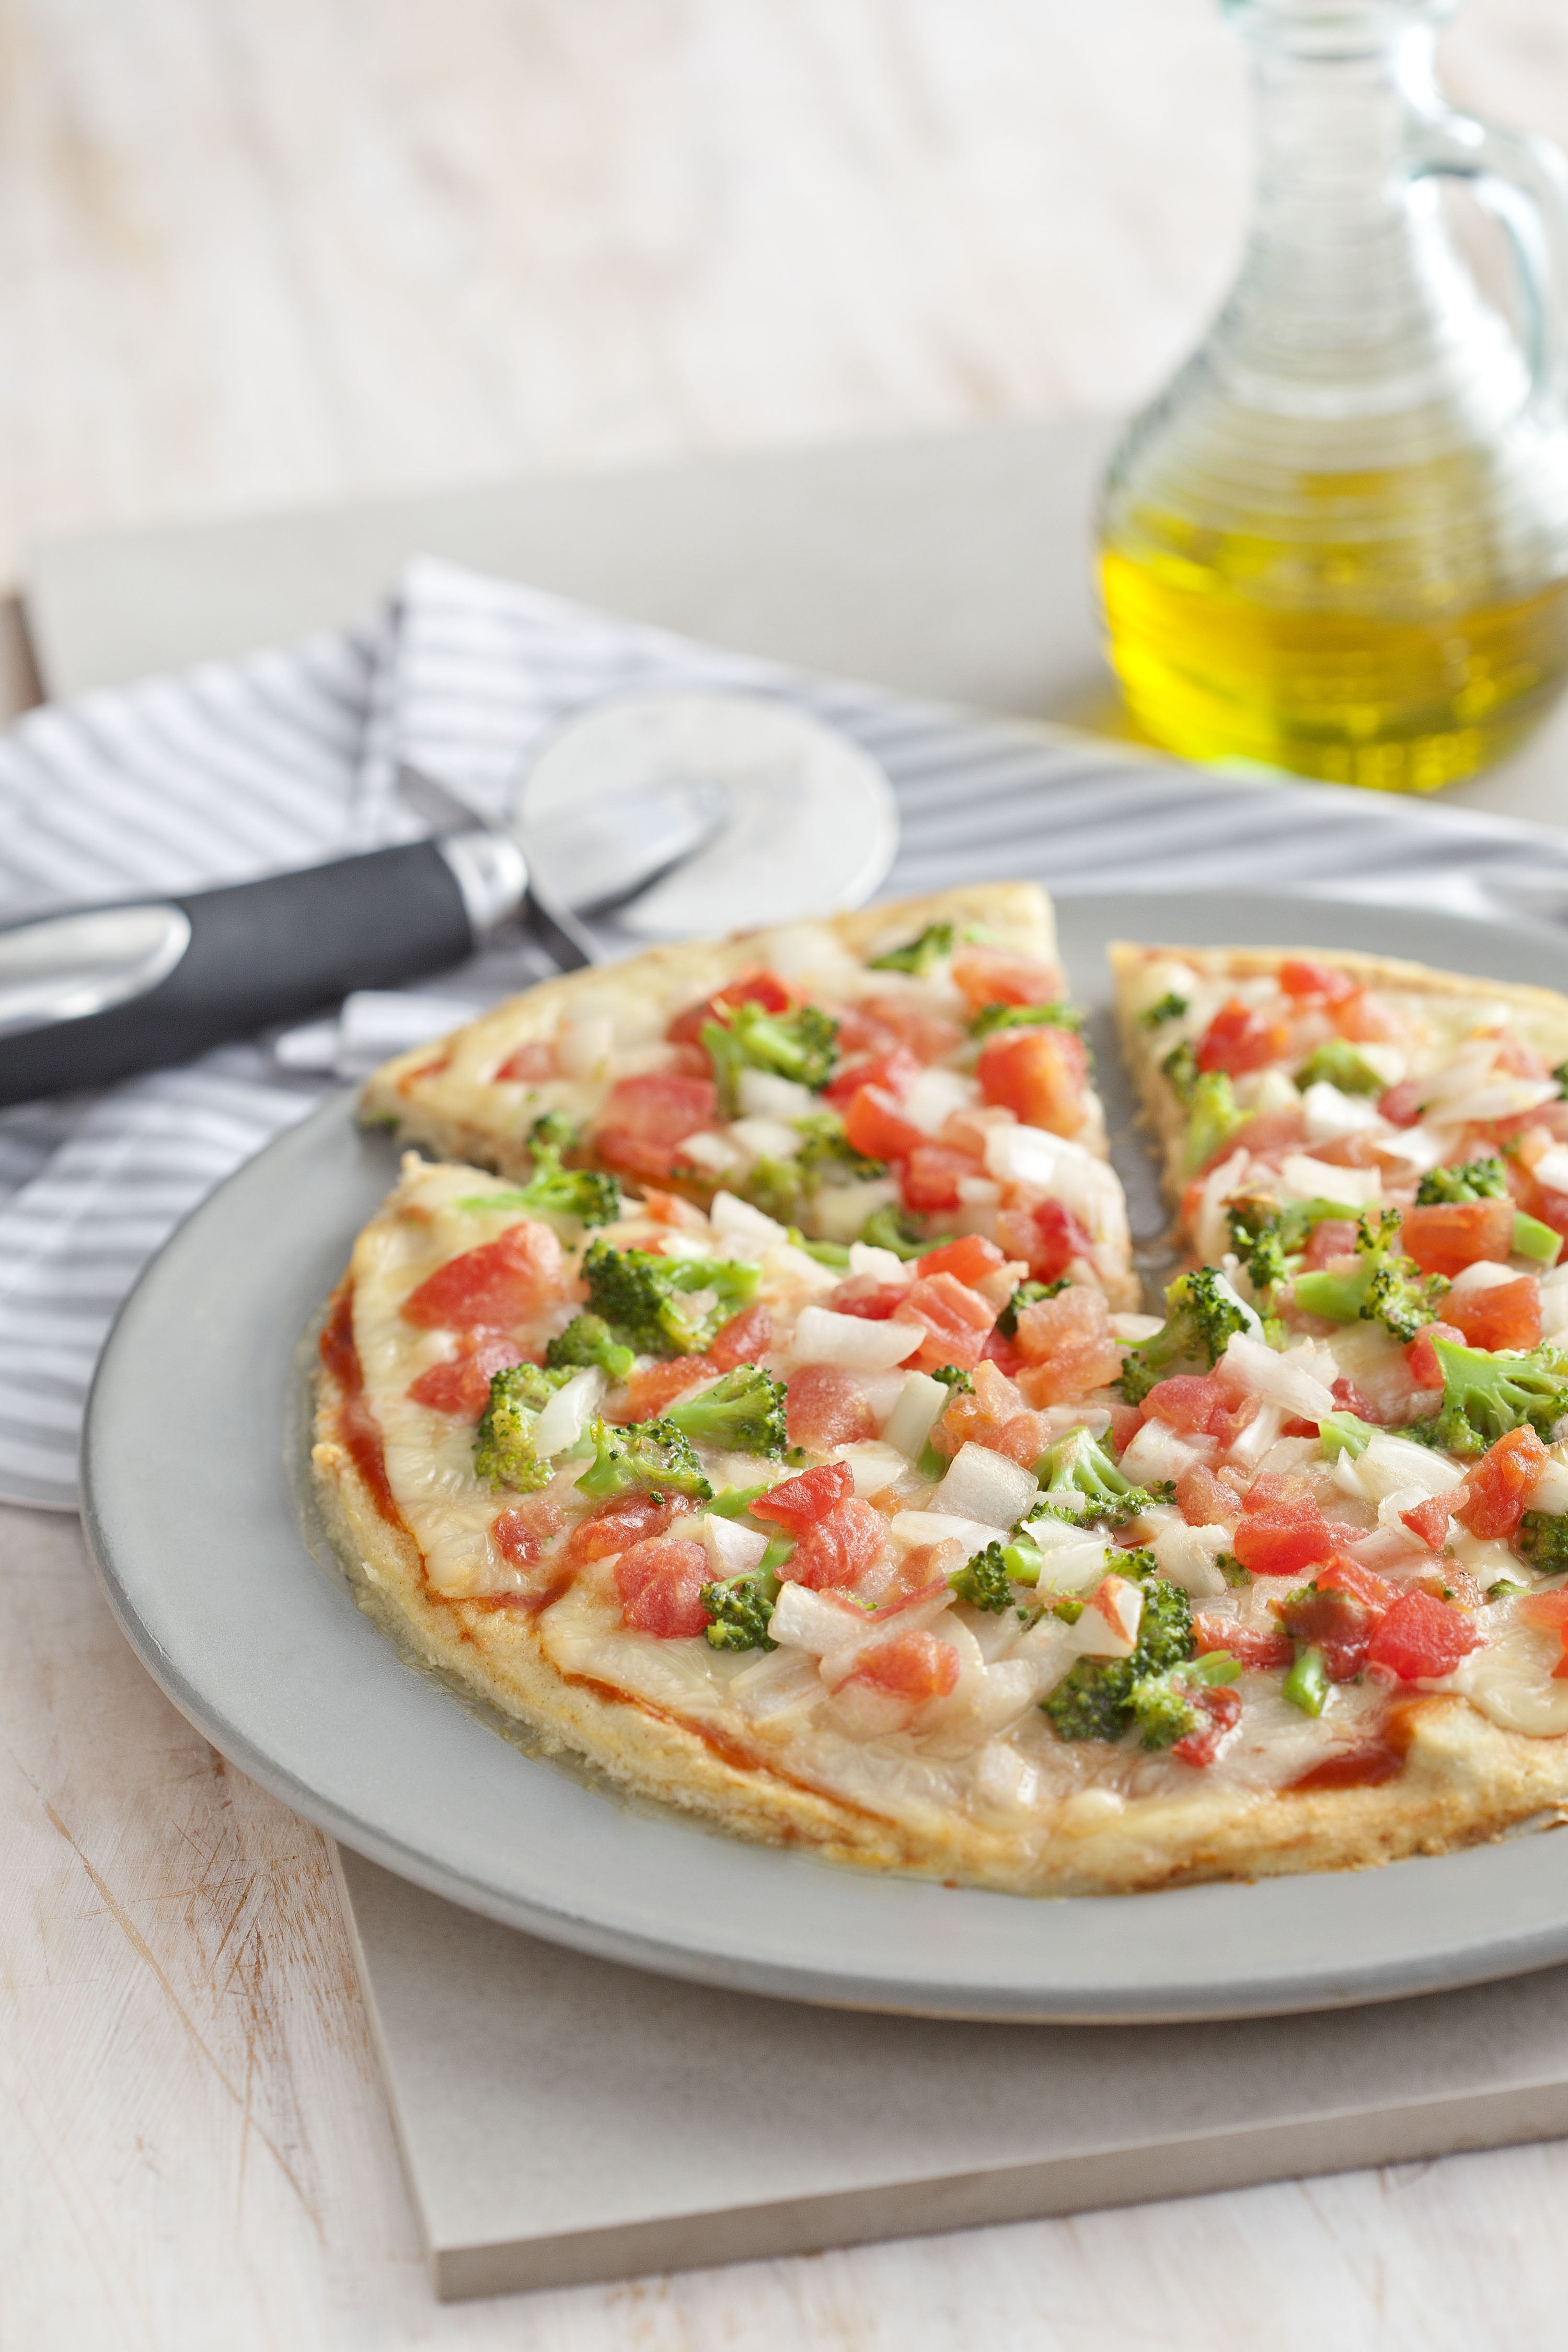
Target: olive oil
{"points": [[1404, 704], [1337, 541]]}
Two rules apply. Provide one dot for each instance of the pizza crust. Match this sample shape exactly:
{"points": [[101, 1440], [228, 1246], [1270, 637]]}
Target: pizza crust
{"points": [[1465, 1780], [1449, 1000]]}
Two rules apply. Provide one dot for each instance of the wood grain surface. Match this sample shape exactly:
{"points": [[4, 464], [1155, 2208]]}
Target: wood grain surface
{"points": [[259, 250]]}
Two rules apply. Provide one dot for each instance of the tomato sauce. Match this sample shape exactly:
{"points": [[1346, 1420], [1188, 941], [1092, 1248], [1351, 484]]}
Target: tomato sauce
{"points": [[358, 1430]]}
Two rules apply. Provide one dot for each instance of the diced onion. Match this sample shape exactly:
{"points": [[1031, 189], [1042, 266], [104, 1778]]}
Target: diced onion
{"points": [[1157, 1453], [763, 1095], [766, 1139], [933, 1097], [882, 1264], [921, 1401], [1027, 1155], [1483, 1274], [1187, 1555], [733, 1550], [1073, 1560], [569, 1411], [1330, 1112], [1133, 1328], [851, 1341], [1549, 1492], [736, 1220], [981, 1484], [817, 1621], [714, 1151], [872, 1465], [919, 1528], [1552, 1169], [1279, 1379], [1261, 1437], [1109, 1626], [1390, 1463], [1314, 1179]]}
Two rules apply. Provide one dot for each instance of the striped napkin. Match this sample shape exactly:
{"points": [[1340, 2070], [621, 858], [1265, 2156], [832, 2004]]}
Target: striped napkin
{"points": [[290, 756]]}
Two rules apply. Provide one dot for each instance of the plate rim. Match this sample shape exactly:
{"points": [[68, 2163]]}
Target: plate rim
{"points": [[591, 1922]]}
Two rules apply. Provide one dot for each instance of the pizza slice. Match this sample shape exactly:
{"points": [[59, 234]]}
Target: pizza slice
{"points": [[1324, 1086], [910, 1073]]}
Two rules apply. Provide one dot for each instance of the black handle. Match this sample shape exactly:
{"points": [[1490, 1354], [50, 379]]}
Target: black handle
{"points": [[259, 952]]}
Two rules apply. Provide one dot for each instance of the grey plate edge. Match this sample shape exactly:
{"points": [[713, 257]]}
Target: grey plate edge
{"points": [[1521, 1952]]}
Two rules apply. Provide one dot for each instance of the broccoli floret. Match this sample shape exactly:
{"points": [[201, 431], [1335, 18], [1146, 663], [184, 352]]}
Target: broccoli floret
{"points": [[1095, 1700], [1169, 1007], [890, 1228], [774, 1187], [739, 1610], [586, 1341], [984, 1581], [919, 956], [1202, 1311], [1346, 1432], [743, 1412], [802, 1045], [1214, 1116], [1485, 1396], [505, 1453], [951, 1378], [1337, 1061], [992, 1017], [1384, 1287], [1081, 1481], [553, 1191], [651, 1454], [827, 1147], [1181, 1068], [1027, 1294], [1477, 1179], [646, 1300], [1543, 1538]]}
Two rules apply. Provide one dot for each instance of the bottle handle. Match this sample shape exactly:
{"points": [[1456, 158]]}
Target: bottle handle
{"points": [[1523, 181]]}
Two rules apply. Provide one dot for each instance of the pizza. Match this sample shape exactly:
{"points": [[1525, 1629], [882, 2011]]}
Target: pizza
{"points": [[748, 1400]]}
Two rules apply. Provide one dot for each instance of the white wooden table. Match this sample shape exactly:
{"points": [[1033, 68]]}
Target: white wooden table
{"points": [[255, 252]]}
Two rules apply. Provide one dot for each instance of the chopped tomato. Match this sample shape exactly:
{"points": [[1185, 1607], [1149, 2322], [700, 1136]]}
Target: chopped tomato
{"points": [[661, 1584], [530, 1063], [863, 1295], [1264, 1653], [992, 1415], [1551, 1208], [1452, 1234], [932, 1176], [743, 1339], [796, 1502], [1281, 1537], [490, 1288], [971, 1258], [1344, 1575], [1203, 1500], [520, 1530], [1498, 1488], [463, 1386], [1196, 1405], [928, 1035], [894, 1072], [911, 1665], [644, 1119], [1549, 1610], [1047, 1235], [649, 1389], [1338, 1622], [763, 988], [1331, 1237], [1348, 1398], [1000, 1351], [1504, 1315], [956, 1319], [1363, 1019], [1067, 1345], [1421, 1638], [1301, 976], [1238, 1039], [1037, 1074], [1221, 1711], [1401, 1104], [874, 1124], [1267, 1136], [826, 1407], [1429, 1520], [616, 1525], [835, 1550], [1421, 1354], [1520, 1060], [992, 976]]}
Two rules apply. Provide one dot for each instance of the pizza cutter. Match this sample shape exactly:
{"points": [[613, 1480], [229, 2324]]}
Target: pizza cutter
{"points": [[648, 818]]}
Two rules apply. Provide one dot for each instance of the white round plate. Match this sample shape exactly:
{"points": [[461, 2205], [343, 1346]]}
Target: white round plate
{"points": [[192, 1512]]}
